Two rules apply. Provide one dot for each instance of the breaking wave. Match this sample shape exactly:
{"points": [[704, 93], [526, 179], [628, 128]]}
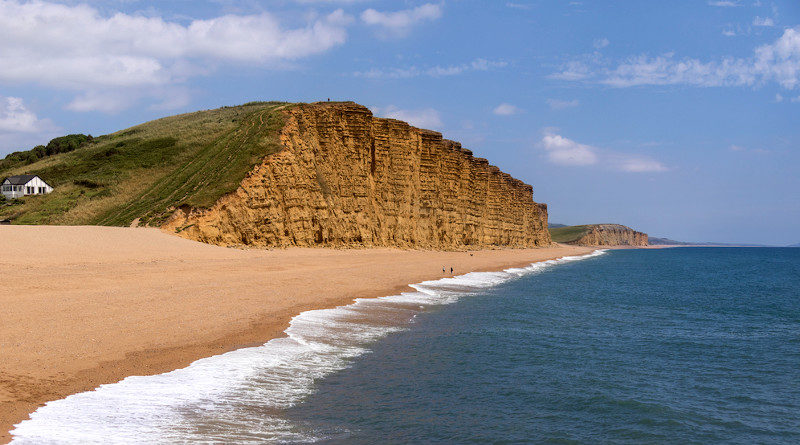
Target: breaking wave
{"points": [[238, 396]]}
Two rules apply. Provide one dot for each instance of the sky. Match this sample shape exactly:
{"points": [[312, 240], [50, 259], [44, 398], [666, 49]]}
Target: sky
{"points": [[679, 119]]}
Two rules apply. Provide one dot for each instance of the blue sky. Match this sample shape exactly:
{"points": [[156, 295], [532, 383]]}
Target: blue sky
{"points": [[680, 119]]}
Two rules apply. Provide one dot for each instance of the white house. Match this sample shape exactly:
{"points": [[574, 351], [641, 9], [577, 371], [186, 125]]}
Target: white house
{"points": [[24, 185]]}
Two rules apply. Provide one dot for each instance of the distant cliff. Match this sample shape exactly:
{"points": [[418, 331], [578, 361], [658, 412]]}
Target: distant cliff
{"points": [[599, 235], [345, 178]]}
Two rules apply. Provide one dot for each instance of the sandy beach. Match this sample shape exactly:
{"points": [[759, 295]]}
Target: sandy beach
{"points": [[83, 306]]}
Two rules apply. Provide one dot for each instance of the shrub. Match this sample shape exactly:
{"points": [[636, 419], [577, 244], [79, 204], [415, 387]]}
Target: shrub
{"points": [[62, 144]]}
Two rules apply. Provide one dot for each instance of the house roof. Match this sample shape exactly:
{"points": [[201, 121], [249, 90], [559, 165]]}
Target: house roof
{"points": [[19, 179]]}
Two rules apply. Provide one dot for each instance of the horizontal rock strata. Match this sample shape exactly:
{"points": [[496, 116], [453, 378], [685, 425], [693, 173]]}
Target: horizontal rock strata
{"points": [[346, 178], [612, 235]]}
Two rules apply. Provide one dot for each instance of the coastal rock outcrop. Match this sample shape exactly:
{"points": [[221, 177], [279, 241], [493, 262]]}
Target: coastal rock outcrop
{"points": [[346, 178], [611, 235]]}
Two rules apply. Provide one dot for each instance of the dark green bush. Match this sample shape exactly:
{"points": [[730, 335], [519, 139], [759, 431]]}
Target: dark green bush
{"points": [[62, 144]]}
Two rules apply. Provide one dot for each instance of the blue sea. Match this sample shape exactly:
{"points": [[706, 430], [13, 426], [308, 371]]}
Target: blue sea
{"points": [[689, 345]]}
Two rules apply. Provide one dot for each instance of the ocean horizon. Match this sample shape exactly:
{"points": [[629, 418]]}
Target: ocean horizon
{"points": [[690, 345]]}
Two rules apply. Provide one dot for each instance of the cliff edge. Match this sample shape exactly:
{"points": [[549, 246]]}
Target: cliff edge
{"points": [[346, 178], [599, 235]]}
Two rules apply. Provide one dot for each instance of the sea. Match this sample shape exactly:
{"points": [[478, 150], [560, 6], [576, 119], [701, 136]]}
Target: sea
{"points": [[684, 345]]}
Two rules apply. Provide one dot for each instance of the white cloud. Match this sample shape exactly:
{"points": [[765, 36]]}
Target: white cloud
{"points": [[739, 148], [564, 151], [423, 118], [763, 21], [169, 97], [518, 6], [76, 47], [635, 164], [666, 70], [108, 101], [777, 62], [400, 22], [435, 71], [600, 43], [331, 1], [505, 109], [16, 118], [725, 3], [558, 104], [20, 128], [573, 70], [795, 99], [728, 32]]}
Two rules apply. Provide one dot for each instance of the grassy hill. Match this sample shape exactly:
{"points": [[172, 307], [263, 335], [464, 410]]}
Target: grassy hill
{"points": [[567, 234], [145, 171]]}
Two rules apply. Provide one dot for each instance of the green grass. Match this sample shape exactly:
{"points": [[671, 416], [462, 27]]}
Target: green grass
{"points": [[149, 170], [568, 234]]}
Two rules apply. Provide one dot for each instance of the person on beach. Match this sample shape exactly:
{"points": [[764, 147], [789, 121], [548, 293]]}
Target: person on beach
{"points": [[451, 271], [443, 271]]}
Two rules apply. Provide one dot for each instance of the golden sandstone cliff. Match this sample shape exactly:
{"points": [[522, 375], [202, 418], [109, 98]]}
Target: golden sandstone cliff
{"points": [[346, 178], [611, 235]]}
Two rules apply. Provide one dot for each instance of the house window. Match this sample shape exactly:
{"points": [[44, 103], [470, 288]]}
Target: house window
{"points": [[28, 190]]}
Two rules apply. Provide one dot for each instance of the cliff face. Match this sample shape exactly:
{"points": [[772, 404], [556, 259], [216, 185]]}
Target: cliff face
{"points": [[611, 235], [346, 178]]}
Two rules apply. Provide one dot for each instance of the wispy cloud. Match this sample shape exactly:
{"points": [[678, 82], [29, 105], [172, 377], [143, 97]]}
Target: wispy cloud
{"points": [[506, 109], [559, 104], [725, 3], [567, 152], [763, 21], [434, 71], [777, 62], [600, 43], [423, 118], [742, 149], [634, 164], [400, 22], [519, 5], [574, 70], [328, 1]]}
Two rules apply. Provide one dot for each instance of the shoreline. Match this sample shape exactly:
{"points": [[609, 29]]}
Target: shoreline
{"points": [[147, 295]]}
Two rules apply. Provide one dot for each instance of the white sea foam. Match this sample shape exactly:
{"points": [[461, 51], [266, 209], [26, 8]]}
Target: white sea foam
{"points": [[237, 396]]}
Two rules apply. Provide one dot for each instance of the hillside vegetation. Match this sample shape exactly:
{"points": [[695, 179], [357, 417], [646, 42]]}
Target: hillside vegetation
{"points": [[568, 234], [63, 144], [145, 171]]}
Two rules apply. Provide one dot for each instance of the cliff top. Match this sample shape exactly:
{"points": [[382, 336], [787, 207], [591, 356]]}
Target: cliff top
{"points": [[568, 234]]}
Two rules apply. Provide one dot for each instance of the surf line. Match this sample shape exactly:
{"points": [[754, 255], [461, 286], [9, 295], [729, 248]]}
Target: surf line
{"points": [[210, 399]]}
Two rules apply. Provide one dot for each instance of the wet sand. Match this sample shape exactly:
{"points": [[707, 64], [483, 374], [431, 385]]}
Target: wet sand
{"points": [[83, 306]]}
